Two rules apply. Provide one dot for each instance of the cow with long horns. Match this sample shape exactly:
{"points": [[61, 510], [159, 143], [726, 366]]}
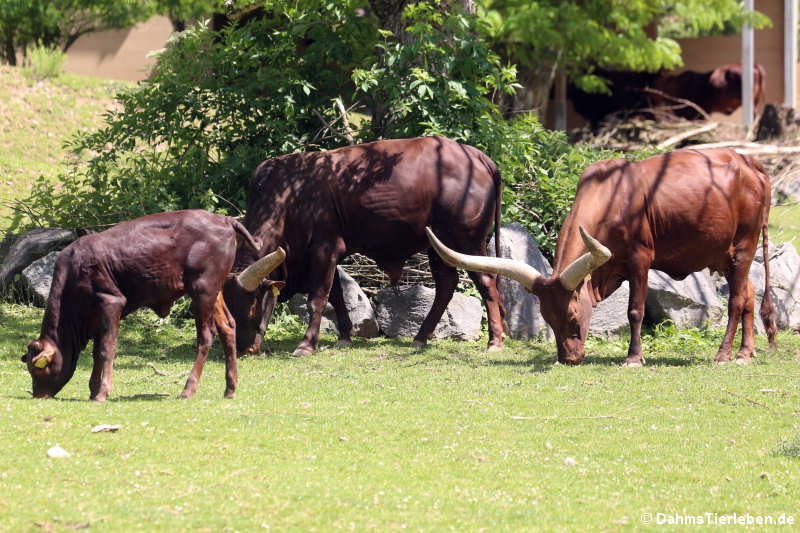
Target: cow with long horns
{"points": [[678, 212], [374, 199], [146, 262]]}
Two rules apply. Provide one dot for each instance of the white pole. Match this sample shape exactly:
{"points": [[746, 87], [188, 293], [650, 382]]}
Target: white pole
{"points": [[747, 70], [790, 53]]}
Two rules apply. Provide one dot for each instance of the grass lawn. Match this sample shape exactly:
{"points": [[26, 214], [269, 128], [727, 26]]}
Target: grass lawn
{"points": [[383, 437], [36, 119]]}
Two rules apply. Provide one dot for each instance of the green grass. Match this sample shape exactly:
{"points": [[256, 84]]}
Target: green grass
{"points": [[383, 437], [36, 118], [784, 224]]}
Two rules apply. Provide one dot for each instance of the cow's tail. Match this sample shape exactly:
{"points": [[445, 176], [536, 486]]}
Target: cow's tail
{"points": [[767, 310], [498, 184], [251, 241]]}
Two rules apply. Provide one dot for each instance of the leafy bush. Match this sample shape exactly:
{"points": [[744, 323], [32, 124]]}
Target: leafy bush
{"points": [[221, 102], [44, 62]]}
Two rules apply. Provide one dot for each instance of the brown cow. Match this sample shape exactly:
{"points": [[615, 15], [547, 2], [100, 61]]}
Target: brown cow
{"points": [[678, 212], [146, 262], [374, 199], [717, 91]]}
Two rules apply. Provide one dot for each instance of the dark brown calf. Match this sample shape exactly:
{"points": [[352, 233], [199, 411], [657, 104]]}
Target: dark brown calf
{"points": [[146, 262], [678, 212]]}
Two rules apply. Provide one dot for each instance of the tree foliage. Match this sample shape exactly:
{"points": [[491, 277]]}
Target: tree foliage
{"points": [[578, 36]]}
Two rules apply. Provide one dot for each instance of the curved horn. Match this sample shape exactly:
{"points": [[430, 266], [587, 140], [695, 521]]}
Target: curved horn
{"points": [[251, 277], [516, 270], [597, 255]]}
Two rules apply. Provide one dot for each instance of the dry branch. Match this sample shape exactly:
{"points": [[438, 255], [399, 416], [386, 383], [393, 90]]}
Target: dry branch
{"points": [[675, 139]]}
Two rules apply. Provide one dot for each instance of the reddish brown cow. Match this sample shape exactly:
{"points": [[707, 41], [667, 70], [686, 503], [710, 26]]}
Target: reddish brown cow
{"points": [[374, 199], [717, 91], [146, 262], [678, 212]]}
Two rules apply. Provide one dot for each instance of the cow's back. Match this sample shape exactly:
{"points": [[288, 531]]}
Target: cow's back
{"points": [[149, 259], [376, 198]]}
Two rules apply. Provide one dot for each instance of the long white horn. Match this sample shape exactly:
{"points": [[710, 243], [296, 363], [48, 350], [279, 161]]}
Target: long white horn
{"points": [[251, 277], [597, 256], [516, 270]]}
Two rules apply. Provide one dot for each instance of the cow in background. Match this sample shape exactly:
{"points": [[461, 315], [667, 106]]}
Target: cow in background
{"points": [[716, 91], [146, 262], [678, 212], [639, 93], [375, 199]]}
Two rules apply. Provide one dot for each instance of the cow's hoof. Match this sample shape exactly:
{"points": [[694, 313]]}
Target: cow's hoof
{"points": [[633, 364], [418, 344], [742, 361], [230, 395], [186, 395], [344, 343], [98, 399], [302, 351], [494, 348]]}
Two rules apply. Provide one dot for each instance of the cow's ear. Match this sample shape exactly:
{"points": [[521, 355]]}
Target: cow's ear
{"points": [[719, 77], [274, 286]]}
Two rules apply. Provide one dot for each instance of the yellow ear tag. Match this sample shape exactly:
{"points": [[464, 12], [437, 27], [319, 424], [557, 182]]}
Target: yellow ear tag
{"points": [[275, 291], [41, 362]]}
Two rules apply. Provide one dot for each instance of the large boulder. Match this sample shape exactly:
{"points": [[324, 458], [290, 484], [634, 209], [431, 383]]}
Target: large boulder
{"points": [[31, 246], [610, 317], [522, 308], [362, 315], [401, 313], [784, 270], [688, 303], [38, 276]]}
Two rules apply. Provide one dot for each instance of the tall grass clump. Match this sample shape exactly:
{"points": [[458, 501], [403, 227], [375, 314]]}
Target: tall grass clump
{"points": [[44, 62], [789, 448]]}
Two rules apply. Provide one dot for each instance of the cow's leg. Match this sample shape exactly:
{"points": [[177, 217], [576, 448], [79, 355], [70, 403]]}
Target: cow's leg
{"points": [[446, 279], [105, 346], [343, 321], [740, 286], [204, 323], [323, 269], [637, 280], [748, 348], [487, 286], [226, 327]]}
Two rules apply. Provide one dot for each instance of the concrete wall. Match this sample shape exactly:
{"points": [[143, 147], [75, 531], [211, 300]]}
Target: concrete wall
{"points": [[119, 54]]}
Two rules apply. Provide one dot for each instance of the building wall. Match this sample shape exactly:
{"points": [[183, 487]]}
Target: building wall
{"points": [[119, 54]]}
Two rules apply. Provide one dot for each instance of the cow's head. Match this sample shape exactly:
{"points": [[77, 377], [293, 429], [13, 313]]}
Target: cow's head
{"points": [[564, 299], [248, 295], [47, 367]]}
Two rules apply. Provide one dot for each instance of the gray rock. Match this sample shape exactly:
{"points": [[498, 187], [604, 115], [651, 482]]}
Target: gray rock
{"points": [[401, 314], [362, 315], [522, 308], [784, 280], [38, 276], [689, 303], [30, 247], [610, 317]]}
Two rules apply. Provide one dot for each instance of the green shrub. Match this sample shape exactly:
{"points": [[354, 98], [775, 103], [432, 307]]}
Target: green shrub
{"points": [[44, 62], [221, 102]]}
